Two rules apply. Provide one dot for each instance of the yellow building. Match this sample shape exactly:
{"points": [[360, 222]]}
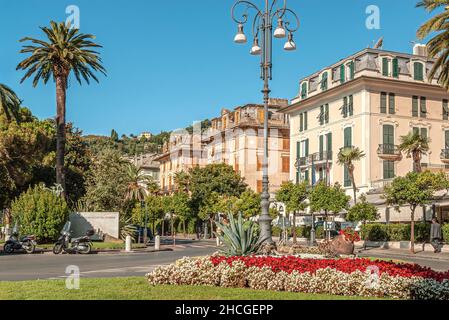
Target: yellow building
{"points": [[368, 100]]}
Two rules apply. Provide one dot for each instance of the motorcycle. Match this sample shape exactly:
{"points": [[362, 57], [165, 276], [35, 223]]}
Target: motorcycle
{"points": [[15, 243], [66, 244]]}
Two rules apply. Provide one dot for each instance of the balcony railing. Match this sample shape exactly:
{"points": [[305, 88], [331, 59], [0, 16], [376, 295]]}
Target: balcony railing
{"points": [[325, 156], [445, 156], [389, 152]]}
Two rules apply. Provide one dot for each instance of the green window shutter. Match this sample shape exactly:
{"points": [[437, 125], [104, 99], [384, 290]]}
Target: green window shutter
{"points": [[304, 90], [347, 182], [298, 150], [306, 121], [351, 106], [424, 133], [383, 102], [329, 142], [418, 71], [389, 170], [385, 71], [342, 74], [395, 68], [392, 104], [321, 115], [447, 139], [416, 131], [307, 148], [326, 113], [352, 69], [445, 110], [344, 111], [415, 106], [301, 122], [321, 144], [348, 137], [423, 107], [324, 81], [388, 135]]}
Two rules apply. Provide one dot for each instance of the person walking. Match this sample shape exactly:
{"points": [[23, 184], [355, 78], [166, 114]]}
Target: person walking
{"points": [[435, 235]]}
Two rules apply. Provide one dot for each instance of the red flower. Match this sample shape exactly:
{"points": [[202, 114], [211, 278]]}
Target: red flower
{"points": [[290, 264]]}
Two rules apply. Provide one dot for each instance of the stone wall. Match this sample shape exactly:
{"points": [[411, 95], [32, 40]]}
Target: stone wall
{"points": [[103, 223]]}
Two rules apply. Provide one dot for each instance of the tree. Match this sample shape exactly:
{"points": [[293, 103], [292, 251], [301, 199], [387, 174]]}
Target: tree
{"points": [[324, 198], [294, 197], [438, 45], [155, 211], [114, 136], [248, 204], [347, 157], [415, 146], [214, 204], [181, 208], [136, 189], [363, 211], [40, 212], [182, 181], [66, 51], [107, 183], [9, 103], [415, 189]]}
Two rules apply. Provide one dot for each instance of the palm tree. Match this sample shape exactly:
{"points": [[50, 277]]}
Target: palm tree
{"points": [[9, 103], [66, 51], [415, 146], [136, 190], [347, 157], [438, 47]]}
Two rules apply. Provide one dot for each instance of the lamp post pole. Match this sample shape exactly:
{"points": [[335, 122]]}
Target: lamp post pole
{"points": [[263, 25]]}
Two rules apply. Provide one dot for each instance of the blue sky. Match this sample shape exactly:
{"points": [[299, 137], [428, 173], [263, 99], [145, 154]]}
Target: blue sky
{"points": [[171, 62]]}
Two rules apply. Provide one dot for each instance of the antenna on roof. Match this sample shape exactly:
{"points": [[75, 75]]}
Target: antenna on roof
{"points": [[379, 44]]}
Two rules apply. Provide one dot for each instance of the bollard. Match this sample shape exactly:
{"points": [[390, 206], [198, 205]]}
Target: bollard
{"points": [[128, 244], [157, 243], [218, 242]]}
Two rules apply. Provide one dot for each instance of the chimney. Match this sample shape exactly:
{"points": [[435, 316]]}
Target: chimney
{"points": [[420, 49]]}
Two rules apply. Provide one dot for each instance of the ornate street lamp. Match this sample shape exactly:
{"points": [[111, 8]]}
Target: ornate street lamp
{"points": [[287, 22]]}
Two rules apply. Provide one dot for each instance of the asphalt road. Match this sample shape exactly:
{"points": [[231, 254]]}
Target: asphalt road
{"points": [[20, 267]]}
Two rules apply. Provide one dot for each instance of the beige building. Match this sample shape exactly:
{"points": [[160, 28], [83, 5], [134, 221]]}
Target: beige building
{"points": [[368, 100], [234, 138]]}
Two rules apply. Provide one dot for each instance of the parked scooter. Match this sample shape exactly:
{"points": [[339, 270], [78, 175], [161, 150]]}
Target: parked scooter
{"points": [[15, 243], [66, 244]]}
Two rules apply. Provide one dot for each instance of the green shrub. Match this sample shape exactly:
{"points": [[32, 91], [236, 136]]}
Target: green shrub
{"points": [[445, 231], [40, 212], [398, 232], [375, 232], [422, 232], [395, 232], [319, 232]]}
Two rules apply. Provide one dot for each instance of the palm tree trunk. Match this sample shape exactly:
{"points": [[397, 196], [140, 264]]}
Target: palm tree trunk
{"points": [[412, 231], [61, 87], [184, 227], [417, 161], [354, 187]]}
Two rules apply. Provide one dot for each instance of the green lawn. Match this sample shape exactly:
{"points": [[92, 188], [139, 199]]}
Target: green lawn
{"points": [[138, 289]]}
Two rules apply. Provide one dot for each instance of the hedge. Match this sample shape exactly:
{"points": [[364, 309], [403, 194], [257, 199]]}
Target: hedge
{"points": [[301, 232], [446, 232], [395, 232]]}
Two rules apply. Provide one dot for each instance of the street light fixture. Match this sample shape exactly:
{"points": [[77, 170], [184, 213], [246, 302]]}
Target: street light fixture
{"points": [[263, 25]]}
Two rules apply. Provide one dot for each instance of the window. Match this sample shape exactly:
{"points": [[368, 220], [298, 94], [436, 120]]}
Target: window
{"points": [[388, 170], [342, 73], [304, 90], [285, 164], [303, 122], [418, 71], [321, 116], [446, 138], [351, 70], [423, 107], [286, 144], [261, 115], [348, 137], [347, 179], [423, 132], [392, 103], [388, 139], [415, 106], [351, 106], [445, 110], [395, 68], [348, 107], [326, 113], [383, 102], [385, 67], [324, 81]]}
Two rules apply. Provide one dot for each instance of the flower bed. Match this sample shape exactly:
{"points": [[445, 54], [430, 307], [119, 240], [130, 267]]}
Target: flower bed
{"points": [[349, 277]]}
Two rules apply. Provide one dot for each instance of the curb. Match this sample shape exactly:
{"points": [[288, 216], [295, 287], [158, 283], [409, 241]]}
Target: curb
{"points": [[401, 255]]}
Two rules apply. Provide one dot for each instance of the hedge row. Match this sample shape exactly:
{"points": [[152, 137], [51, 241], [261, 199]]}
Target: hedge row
{"points": [[399, 232], [301, 232]]}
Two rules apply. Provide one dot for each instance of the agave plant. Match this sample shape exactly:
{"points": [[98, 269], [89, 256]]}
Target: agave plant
{"points": [[128, 229], [239, 238]]}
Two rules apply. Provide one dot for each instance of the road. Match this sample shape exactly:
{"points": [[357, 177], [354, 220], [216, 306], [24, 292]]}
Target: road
{"points": [[21, 267]]}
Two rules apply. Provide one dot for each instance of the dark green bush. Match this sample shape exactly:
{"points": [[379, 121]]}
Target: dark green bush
{"points": [[398, 232], [375, 232], [445, 231], [40, 212], [395, 232], [422, 232], [319, 232]]}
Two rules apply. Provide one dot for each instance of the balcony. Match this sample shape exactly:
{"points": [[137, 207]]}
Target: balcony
{"points": [[389, 152], [321, 157], [302, 163], [445, 156]]}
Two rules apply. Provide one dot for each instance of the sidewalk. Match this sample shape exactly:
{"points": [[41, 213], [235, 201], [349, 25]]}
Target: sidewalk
{"points": [[403, 253]]}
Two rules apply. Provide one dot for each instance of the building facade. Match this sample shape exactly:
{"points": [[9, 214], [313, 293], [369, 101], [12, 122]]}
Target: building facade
{"points": [[234, 138], [368, 100]]}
